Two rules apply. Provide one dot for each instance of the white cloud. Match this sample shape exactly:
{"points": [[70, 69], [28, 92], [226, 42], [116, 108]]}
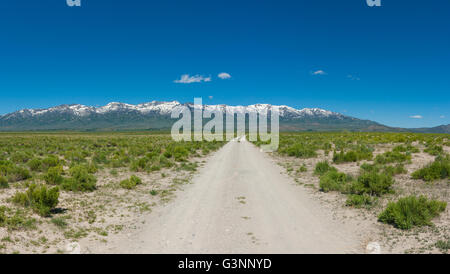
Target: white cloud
{"points": [[224, 75], [319, 72], [416, 117], [186, 79], [210, 97], [442, 116], [353, 77]]}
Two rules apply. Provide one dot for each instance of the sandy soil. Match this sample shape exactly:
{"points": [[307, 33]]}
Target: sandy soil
{"points": [[240, 202]]}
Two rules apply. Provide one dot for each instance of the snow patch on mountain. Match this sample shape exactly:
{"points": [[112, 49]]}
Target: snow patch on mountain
{"points": [[166, 108]]}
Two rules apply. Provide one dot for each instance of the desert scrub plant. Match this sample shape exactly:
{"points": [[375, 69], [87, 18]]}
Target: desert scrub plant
{"points": [[439, 169], [388, 169], [41, 199], [50, 161], [3, 216], [19, 174], [34, 164], [59, 222], [188, 166], [323, 167], [13, 172], [334, 181], [372, 183], [395, 170], [370, 167], [54, 175], [434, 150], [80, 180], [392, 157], [411, 211], [153, 192], [299, 150], [360, 153], [443, 245], [20, 157], [113, 172], [360, 201], [131, 183], [180, 153], [406, 149], [3, 182], [302, 169], [15, 220], [92, 168]]}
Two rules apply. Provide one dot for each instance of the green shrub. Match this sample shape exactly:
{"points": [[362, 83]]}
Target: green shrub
{"points": [[59, 222], [3, 217], [180, 154], [359, 201], [370, 168], [323, 167], [20, 157], [35, 164], [39, 198], [3, 182], [358, 154], [16, 220], [54, 175], [50, 161], [406, 149], [439, 169], [139, 165], [113, 172], [153, 192], [92, 168], [299, 150], [372, 183], [394, 170], [443, 245], [188, 166], [411, 211], [434, 150], [302, 168], [100, 158], [131, 183], [81, 180], [17, 173], [392, 157], [334, 181], [390, 170]]}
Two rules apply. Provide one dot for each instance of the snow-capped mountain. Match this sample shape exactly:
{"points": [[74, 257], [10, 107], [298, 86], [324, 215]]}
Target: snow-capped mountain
{"points": [[157, 115], [164, 108]]}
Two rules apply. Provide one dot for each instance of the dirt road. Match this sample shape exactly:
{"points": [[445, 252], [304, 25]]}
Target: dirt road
{"points": [[241, 203]]}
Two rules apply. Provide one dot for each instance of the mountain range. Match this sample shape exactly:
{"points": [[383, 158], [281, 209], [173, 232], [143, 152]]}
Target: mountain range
{"points": [[156, 116]]}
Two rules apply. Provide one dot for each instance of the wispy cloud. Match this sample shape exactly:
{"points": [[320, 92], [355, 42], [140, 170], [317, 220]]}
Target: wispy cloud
{"points": [[319, 72], [186, 79], [224, 75], [353, 77], [442, 116], [416, 116], [210, 97]]}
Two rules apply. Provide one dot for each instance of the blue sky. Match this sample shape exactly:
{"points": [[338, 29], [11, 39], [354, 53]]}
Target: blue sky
{"points": [[385, 64]]}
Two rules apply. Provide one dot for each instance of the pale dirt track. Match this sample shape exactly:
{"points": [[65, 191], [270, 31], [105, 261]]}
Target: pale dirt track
{"points": [[276, 216]]}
